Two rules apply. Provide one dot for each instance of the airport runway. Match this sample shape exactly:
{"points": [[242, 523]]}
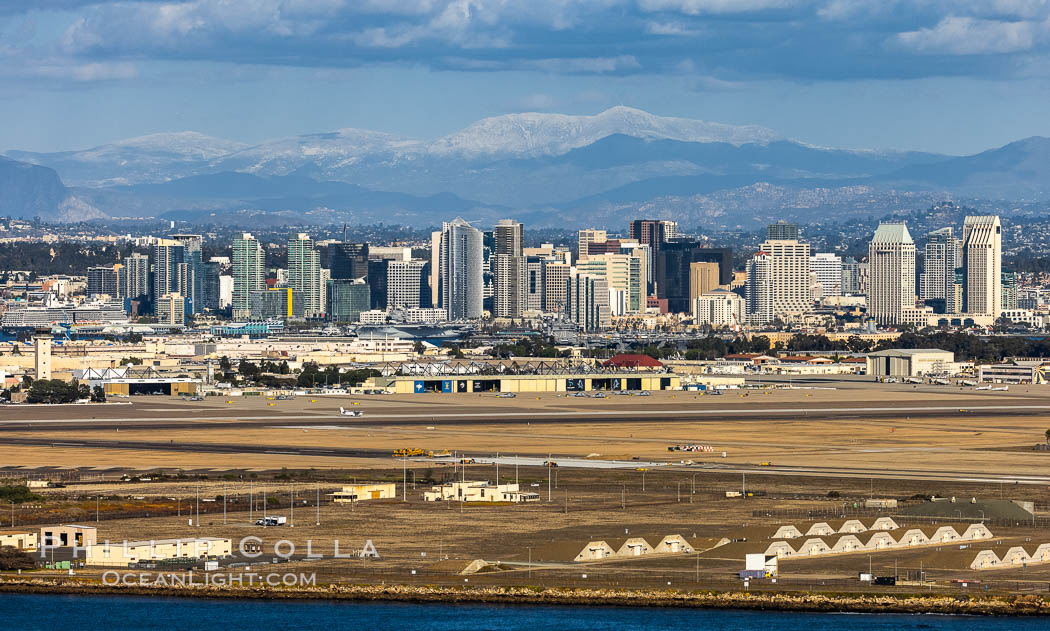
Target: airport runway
{"points": [[721, 414]]}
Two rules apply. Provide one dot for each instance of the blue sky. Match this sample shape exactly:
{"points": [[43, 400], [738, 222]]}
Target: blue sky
{"points": [[949, 76]]}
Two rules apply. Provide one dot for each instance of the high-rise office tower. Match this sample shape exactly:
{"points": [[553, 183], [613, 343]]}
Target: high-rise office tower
{"points": [[760, 288], [586, 238], [673, 268], [249, 273], [378, 279], [403, 283], [622, 272], [304, 273], [653, 233], [534, 283], [828, 268], [982, 260], [171, 309], [189, 271], [102, 281], [588, 301], [782, 231], [850, 276], [703, 278], [136, 274], [348, 260], [555, 286], [937, 281], [891, 290], [347, 298], [461, 260]]}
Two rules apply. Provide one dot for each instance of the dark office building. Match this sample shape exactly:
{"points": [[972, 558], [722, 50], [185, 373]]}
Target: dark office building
{"points": [[377, 283], [346, 300], [348, 260], [672, 270]]}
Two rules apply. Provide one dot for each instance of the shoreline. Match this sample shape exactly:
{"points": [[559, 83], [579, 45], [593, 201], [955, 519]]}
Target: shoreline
{"points": [[1012, 605]]}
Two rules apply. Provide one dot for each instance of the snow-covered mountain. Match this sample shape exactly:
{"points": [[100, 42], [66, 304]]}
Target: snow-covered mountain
{"points": [[530, 135], [151, 158]]}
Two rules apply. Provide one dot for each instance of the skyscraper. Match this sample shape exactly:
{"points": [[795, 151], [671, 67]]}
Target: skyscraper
{"points": [[508, 270], [780, 285], [460, 277], [189, 274], [828, 268], [136, 274], [555, 286], [621, 272], [782, 231], [672, 273], [102, 281], [347, 298], [937, 282], [588, 301], [403, 282], [249, 273], [982, 260], [586, 238], [304, 273], [891, 283], [168, 256], [703, 278], [653, 233], [348, 260]]}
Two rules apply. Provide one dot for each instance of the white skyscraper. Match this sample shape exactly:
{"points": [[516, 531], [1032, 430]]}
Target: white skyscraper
{"points": [[461, 275], [828, 268], [588, 301], [781, 280], [891, 282], [304, 273], [508, 270], [982, 259], [403, 284]]}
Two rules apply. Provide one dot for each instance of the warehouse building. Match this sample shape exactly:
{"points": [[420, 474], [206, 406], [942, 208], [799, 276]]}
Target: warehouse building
{"points": [[479, 491], [125, 554], [20, 539], [359, 492], [133, 380], [910, 362]]}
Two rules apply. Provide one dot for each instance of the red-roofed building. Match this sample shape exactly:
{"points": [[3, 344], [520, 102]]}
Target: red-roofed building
{"points": [[633, 361]]}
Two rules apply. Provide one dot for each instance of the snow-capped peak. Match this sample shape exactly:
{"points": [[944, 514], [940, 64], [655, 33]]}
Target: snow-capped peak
{"points": [[534, 134]]}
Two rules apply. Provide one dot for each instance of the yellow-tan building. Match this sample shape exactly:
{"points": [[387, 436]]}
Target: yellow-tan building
{"points": [[68, 535], [21, 539], [360, 492], [124, 554]]}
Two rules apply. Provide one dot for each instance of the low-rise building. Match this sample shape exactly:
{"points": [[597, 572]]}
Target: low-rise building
{"points": [[21, 539], [479, 491], [68, 535], [360, 492], [910, 362], [124, 554]]}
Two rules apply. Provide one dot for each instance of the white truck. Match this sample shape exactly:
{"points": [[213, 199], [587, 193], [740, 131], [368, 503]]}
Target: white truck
{"points": [[271, 520]]}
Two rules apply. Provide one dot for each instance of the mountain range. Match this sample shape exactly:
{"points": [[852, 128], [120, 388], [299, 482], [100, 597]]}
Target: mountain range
{"points": [[540, 168]]}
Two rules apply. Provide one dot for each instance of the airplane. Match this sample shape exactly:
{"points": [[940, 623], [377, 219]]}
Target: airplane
{"points": [[1001, 388], [983, 388], [346, 412], [506, 395]]}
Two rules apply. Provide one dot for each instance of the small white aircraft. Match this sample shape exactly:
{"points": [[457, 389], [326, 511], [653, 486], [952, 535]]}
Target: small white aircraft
{"points": [[983, 388], [1001, 388], [346, 412]]}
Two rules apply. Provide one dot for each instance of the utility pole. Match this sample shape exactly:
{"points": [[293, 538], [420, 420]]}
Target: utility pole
{"points": [[198, 506], [291, 503], [679, 491], [251, 500], [515, 469], [404, 479], [318, 505], [96, 510], [223, 503], [548, 477]]}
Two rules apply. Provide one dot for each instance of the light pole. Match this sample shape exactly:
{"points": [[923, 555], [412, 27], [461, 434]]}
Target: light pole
{"points": [[679, 491], [318, 505], [223, 503], [96, 510], [291, 506], [198, 506], [404, 479], [251, 500]]}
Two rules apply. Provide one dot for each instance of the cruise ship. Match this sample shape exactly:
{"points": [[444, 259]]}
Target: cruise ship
{"points": [[25, 317]]}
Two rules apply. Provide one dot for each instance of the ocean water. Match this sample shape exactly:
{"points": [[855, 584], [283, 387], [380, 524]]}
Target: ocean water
{"points": [[123, 613]]}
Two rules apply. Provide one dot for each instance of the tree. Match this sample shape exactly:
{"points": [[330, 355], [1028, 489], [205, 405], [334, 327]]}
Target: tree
{"points": [[224, 364], [417, 347], [53, 391], [11, 558], [98, 394]]}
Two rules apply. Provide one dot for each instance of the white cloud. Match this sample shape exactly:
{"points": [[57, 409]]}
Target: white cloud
{"points": [[970, 36], [700, 7]]}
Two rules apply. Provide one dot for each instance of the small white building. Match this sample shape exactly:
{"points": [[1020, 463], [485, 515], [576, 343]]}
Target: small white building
{"points": [[479, 491]]}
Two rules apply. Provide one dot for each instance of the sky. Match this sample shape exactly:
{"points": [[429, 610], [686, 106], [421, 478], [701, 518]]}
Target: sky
{"points": [[951, 76]]}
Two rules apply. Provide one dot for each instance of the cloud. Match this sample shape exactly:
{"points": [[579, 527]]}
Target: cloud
{"points": [[969, 36], [727, 42]]}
